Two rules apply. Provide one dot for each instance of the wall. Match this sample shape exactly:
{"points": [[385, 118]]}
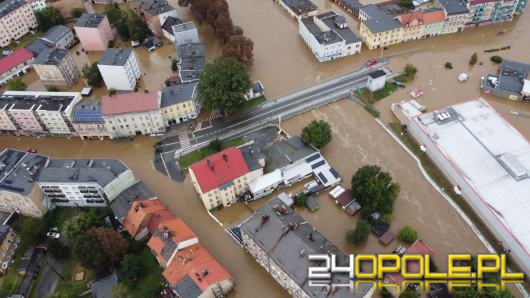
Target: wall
{"points": [[29, 205], [118, 185], [127, 125]]}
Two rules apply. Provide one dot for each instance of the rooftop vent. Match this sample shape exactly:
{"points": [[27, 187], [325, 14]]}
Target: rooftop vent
{"points": [[513, 166]]}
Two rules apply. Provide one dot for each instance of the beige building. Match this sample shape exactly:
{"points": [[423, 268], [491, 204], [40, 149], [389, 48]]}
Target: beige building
{"points": [[56, 67], [9, 241], [220, 178], [377, 28], [16, 20], [179, 103]]}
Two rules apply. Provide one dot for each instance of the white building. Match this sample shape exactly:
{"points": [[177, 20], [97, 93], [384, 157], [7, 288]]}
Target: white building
{"points": [[179, 103], [119, 68], [186, 33], [60, 36], [167, 27], [83, 182], [130, 114], [376, 80], [298, 8], [328, 36], [487, 160]]}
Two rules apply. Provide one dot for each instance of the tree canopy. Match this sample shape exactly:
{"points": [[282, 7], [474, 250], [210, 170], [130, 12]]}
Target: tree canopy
{"points": [[127, 23], [92, 75], [240, 48], [360, 234], [16, 84], [374, 190], [120, 291], [87, 250], [474, 59], [113, 245], [223, 85], [79, 224], [410, 71], [317, 133], [49, 17], [407, 235], [131, 267]]}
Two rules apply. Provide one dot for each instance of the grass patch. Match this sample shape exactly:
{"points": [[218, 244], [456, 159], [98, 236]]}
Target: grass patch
{"points": [[187, 159], [150, 280], [25, 41], [370, 98], [252, 103], [11, 280], [497, 49], [403, 78]]}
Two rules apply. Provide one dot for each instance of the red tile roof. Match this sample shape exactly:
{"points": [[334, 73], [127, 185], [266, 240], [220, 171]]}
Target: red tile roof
{"points": [[145, 214], [16, 58], [406, 18], [199, 265], [417, 248], [219, 168], [179, 232], [134, 102], [433, 17]]}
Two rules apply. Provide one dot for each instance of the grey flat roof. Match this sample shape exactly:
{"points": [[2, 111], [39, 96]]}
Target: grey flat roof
{"points": [[300, 7], [100, 171], [4, 230], [190, 75], [346, 33], [323, 37], [50, 56], [177, 94], [378, 21], [353, 5], [38, 45], [286, 152], [56, 33], [512, 75], [288, 240], [377, 74], [186, 287], [9, 6], [25, 100], [191, 50], [121, 204], [252, 155], [169, 23], [91, 20], [156, 7], [184, 27], [19, 169], [103, 287], [115, 56], [453, 7]]}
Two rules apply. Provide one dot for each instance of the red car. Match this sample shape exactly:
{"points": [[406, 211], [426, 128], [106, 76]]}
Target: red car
{"points": [[31, 150], [371, 62]]}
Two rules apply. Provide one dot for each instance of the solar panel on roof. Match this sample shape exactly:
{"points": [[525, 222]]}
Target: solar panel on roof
{"points": [[318, 164], [322, 177], [313, 157], [332, 170]]}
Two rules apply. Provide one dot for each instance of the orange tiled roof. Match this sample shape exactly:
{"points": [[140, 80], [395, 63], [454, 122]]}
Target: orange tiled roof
{"points": [[142, 213], [199, 265], [407, 18], [178, 231], [433, 17]]}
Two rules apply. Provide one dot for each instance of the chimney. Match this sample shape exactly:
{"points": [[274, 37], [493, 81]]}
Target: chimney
{"points": [[225, 157]]}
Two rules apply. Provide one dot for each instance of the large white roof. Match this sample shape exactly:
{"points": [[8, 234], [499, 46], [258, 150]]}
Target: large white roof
{"points": [[492, 156]]}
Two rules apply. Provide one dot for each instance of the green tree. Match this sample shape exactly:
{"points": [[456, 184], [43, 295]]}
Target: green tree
{"points": [[409, 293], [410, 71], [77, 12], [374, 190], [300, 200], [52, 88], [87, 251], [114, 13], [131, 267], [223, 85], [92, 75], [215, 145], [79, 224], [448, 65], [49, 17], [407, 235], [473, 60], [406, 4], [174, 65], [317, 133], [113, 245], [16, 84], [112, 92], [118, 18], [137, 28], [31, 230], [496, 59], [120, 291], [360, 234], [57, 250]]}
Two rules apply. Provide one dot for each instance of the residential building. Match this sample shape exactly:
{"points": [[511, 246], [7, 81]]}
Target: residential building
{"points": [[485, 12], [56, 67], [512, 82], [433, 22], [60, 36], [281, 240], [144, 217], [122, 203], [521, 5], [376, 80], [16, 64], [9, 241], [94, 31], [87, 119], [18, 192], [119, 69], [412, 23], [220, 178], [83, 182], [377, 28], [102, 288], [155, 13], [257, 90], [195, 273], [456, 15], [130, 114], [487, 160], [298, 8], [192, 59], [328, 36], [37, 113], [167, 28], [351, 6], [185, 33], [38, 45], [37, 5], [17, 18], [179, 103]]}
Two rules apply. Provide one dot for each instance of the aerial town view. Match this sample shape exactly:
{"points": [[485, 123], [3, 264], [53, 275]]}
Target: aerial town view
{"points": [[264, 148]]}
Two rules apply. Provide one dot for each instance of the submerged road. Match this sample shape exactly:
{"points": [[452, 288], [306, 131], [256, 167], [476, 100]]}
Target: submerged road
{"points": [[283, 107]]}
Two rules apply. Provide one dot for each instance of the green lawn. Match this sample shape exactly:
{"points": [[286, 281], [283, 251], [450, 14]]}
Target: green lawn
{"points": [[403, 78], [187, 159], [370, 98], [25, 40], [252, 103], [151, 278], [11, 281]]}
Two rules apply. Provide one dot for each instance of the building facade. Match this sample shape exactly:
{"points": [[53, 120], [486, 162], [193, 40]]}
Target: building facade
{"points": [[87, 119], [9, 241], [378, 29], [56, 67], [94, 31], [485, 12], [328, 36], [512, 82], [155, 13], [60, 36], [37, 5], [179, 103], [17, 18], [130, 114], [16, 64], [456, 15], [298, 8], [119, 69]]}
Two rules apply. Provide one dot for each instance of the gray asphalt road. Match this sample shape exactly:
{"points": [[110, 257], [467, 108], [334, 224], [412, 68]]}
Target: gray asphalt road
{"points": [[49, 278]]}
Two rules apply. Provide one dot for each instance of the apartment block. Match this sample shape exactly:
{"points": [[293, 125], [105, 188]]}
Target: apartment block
{"points": [[130, 114], [37, 5], [94, 31], [486, 12], [377, 28], [179, 103], [512, 82], [192, 59], [167, 27], [328, 36], [17, 18], [60, 36], [119, 68], [220, 178], [155, 13], [56, 67], [87, 119], [16, 64]]}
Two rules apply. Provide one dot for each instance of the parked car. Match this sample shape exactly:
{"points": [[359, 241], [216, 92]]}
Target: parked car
{"points": [[371, 62], [311, 184], [31, 150], [7, 52], [53, 235]]}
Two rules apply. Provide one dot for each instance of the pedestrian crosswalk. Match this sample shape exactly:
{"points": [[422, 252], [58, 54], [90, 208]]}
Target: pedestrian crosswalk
{"points": [[184, 141], [215, 114]]}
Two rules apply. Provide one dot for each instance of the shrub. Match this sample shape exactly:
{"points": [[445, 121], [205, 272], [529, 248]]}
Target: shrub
{"points": [[174, 66], [448, 65], [300, 200], [360, 234], [112, 91], [496, 59], [410, 71], [407, 235], [317, 133], [473, 60]]}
